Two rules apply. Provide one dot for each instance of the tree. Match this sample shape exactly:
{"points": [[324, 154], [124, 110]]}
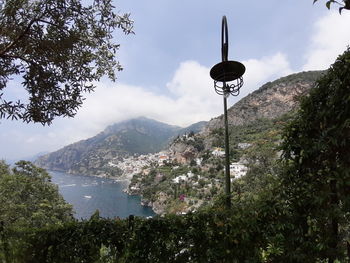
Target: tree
{"points": [[344, 5], [29, 199], [317, 157], [58, 48]]}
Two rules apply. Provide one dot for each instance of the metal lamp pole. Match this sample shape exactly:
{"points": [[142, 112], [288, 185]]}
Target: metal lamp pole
{"points": [[227, 159], [229, 73]]}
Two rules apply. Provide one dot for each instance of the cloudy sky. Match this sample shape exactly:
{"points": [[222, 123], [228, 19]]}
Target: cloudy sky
{"points": [[167, 62]]}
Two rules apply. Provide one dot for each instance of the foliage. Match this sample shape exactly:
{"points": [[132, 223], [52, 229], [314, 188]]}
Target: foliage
{"points": [[71, 242], [317, 177], [261, 134], [196, 141], [29, 199], [58, 48], [249, 232], [254, 230], [262, 157], [208, 236], [345, 4]]}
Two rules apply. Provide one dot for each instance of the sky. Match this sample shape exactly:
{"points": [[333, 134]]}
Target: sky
{"points": [[168, 59]]}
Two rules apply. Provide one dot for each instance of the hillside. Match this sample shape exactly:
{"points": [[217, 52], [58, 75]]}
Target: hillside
{"points": [[194, 172], [197, 174], [115, 151], [127, 138], [270, 101]]}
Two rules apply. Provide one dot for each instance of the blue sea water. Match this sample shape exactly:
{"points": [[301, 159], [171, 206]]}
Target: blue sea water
{"points": [[87, 194]]}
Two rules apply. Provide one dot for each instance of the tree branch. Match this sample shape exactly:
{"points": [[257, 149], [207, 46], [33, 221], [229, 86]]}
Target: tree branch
{"points": [[48, 22], [18, 57], [9, 46]]}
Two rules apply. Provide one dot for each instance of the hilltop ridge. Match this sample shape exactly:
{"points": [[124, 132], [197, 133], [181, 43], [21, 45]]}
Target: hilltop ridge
{"points": [[270, 101]]}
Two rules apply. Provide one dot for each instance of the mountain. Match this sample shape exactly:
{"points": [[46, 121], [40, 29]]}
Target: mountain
{"points": [[142, 135], [195, 128], [270, 101], [131, 137], [194, 172]]}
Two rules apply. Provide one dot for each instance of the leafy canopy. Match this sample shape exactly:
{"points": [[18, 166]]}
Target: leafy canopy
{"points": [[316, 154], [58, 48], [29, 199]]}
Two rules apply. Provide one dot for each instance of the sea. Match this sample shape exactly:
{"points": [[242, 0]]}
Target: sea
{"points": [[88, 194]]}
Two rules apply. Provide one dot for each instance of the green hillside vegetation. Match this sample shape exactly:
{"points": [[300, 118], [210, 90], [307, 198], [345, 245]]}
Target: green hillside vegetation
{"points": [[258, 132], [141, 135], [263, 136]]}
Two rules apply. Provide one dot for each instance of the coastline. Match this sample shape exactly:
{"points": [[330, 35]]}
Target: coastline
{"points": [[115, 178], [126, 180]]}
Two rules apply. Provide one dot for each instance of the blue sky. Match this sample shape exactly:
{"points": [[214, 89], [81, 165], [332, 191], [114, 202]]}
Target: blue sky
{"points": [[167, 62]]}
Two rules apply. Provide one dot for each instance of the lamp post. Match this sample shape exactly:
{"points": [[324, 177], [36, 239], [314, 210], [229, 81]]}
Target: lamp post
{"points": [[227, 76]]}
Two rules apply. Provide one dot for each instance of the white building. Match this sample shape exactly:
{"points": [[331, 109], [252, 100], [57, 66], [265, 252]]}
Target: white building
{"points": [[238, 170], [244, 145], [199, 161], [218, 152], [181, 178], [190, 174]]}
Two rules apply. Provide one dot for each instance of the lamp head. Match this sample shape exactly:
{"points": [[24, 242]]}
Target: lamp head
{"points": [[226, 71], [229, 73]]}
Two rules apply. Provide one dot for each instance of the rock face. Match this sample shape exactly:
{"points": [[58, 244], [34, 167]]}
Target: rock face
{"points": [[92, 156], [183, 152], [270, 101], [159, 205]]}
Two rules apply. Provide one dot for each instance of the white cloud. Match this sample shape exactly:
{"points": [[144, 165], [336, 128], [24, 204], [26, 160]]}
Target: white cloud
{"points": [[191, 79], [330, 38], [193, 100]]}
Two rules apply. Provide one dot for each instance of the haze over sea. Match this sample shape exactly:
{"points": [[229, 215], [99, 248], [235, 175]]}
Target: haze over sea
{"points": [[87, 194]]}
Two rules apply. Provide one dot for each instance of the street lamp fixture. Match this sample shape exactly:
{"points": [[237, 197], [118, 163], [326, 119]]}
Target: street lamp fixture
{"points": [[228, 80]]}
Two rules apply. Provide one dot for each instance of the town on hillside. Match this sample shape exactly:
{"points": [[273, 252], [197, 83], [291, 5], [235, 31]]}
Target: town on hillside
{"points": [[178, 182]]}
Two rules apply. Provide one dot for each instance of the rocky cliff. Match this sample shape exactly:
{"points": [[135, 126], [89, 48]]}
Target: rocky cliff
{"points": [[270, 101]]}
